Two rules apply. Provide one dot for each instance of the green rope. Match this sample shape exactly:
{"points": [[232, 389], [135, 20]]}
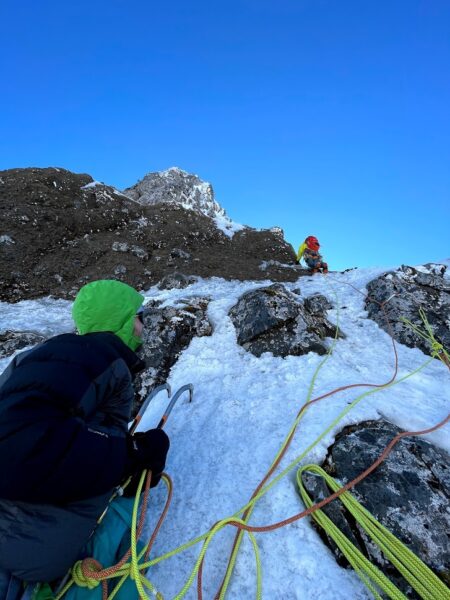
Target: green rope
{"points": [[437, 349], [134, 568], [251, 505], [419, 576], [207, 537]]}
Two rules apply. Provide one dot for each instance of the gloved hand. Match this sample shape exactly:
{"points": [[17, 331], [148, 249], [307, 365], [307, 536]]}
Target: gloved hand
{"points": [[146, 450], [297, 262]]}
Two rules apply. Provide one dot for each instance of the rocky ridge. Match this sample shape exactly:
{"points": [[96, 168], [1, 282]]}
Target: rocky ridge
{"points": [[60, 230], [175, 186]]}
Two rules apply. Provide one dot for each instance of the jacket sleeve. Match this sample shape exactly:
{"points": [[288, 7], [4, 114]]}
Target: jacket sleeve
{"points": [[93, 464], [301, 250], [62, 452], [97, 450]]}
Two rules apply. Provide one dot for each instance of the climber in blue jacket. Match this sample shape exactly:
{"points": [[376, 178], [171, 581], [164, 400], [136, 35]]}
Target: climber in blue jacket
{"points": [[65, 406]]}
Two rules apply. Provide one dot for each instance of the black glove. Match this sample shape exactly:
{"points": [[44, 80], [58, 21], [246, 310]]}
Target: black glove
{"points": [[297, 262], [146, 451]]}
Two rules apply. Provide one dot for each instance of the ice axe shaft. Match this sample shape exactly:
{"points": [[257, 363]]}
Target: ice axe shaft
{"points": [[188, 387], [153, 393]]}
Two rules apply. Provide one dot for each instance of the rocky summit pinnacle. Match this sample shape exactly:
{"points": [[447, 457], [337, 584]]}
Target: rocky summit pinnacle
{"points": [[175, 186]]}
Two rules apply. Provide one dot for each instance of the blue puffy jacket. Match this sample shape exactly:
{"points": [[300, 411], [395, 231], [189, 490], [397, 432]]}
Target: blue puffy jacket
{"points": [[64, 412]]}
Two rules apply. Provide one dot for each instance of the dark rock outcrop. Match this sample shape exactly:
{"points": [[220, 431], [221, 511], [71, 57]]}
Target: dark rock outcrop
{"points": [[59, 230], [408, 289], [317, 304], [12, 341], [167, 332], [408, 493], [176, 281], [272, 319]]}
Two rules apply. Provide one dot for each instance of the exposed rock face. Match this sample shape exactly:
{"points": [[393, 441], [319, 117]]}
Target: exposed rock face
{"points": [[178, 187], [317, 304], [176, 281], [272, 319], [59, 230], [12, 341], [409, 289], [167, 332], [408, 493], [65, 229]]}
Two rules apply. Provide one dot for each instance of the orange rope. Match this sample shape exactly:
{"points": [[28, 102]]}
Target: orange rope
{"points": [[92, 569], [349, 485]]}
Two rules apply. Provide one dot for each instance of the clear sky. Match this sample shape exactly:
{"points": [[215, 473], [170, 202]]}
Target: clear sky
{"points": [[327, 118]]}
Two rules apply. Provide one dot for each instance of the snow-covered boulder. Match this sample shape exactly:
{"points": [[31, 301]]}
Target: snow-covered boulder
{"points": [[405, 291], [272, 319], [408, 493], [167, 332]]}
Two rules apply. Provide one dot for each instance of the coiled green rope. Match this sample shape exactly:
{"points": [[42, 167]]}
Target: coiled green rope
{"points": [[419, 576]]}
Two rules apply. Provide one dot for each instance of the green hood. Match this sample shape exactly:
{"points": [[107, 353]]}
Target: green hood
{"points": [[108, 305]]}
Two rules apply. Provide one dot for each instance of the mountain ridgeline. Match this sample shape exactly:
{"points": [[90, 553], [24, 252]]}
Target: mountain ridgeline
{"points": [[60, 230]]}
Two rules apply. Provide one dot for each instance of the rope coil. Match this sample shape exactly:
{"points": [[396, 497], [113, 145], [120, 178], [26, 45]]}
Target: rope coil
{"points": [[419, 576], [83, 578]]}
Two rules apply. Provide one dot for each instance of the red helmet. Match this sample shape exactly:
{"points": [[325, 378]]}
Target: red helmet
{"points": [[312, 242]]}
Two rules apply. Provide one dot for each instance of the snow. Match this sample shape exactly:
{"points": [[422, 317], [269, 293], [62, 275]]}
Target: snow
{"points": [[91, 185], [6, 239], [174, 170], [105, 193], [223, 442], [227, 226], [265, 264]]}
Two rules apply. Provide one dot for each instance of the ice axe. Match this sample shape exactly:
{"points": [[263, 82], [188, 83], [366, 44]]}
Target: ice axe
{"points": [[184, 388], [165, 386], [153, 393]]}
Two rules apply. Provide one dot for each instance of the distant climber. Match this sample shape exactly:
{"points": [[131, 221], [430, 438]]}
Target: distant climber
{"points": [[65, 406], [309, 251]]}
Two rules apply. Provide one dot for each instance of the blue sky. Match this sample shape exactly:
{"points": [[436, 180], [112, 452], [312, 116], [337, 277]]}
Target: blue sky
{"points": [[326, 118]]}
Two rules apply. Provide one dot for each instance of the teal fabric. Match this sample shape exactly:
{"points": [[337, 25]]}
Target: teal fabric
{"points": [[109, 543]]}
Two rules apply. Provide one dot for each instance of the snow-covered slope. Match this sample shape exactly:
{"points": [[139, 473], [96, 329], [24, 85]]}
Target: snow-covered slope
{"points": [[243, 407]]}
